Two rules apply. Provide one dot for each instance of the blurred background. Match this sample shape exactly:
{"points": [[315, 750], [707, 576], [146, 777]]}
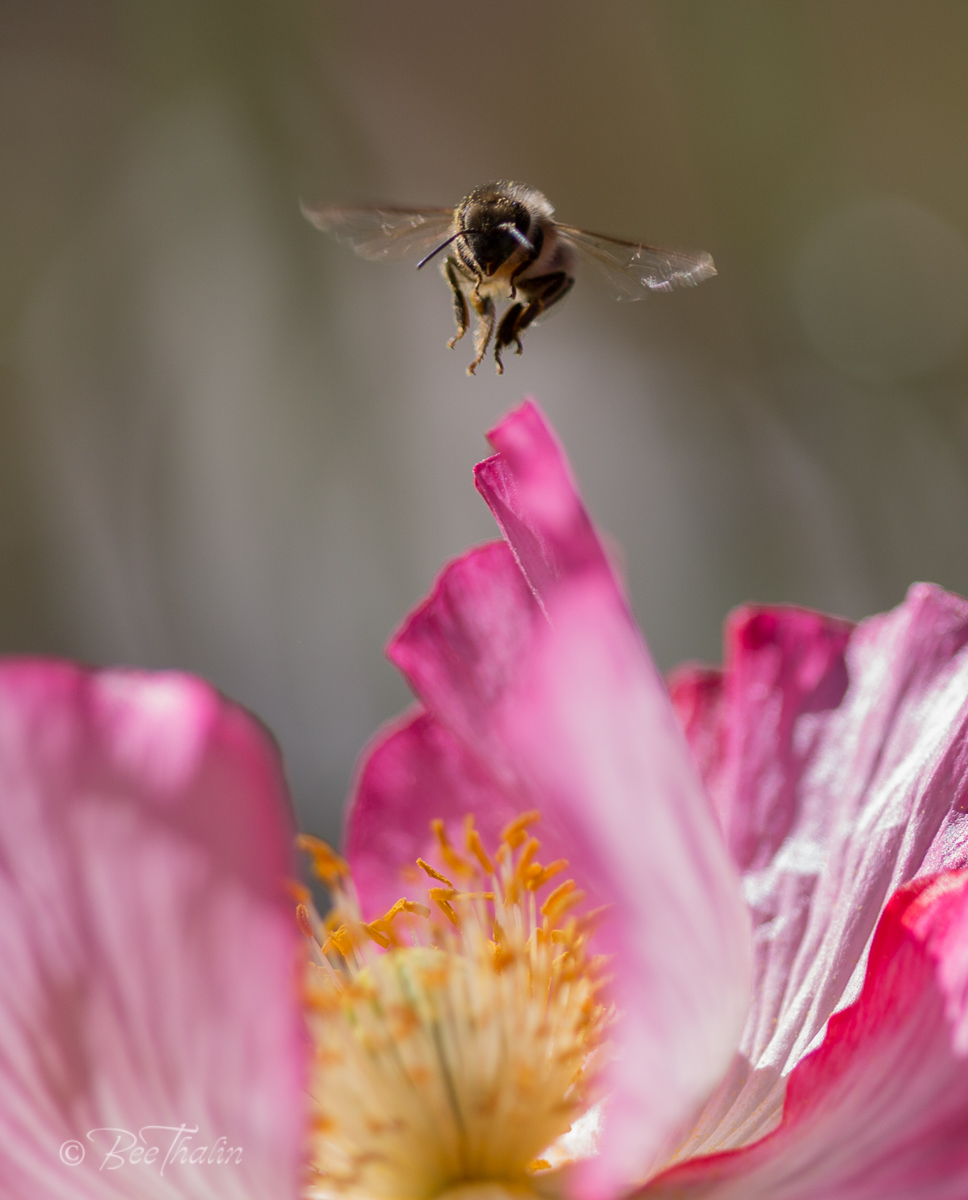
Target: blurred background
{"points": [[227, 444]]}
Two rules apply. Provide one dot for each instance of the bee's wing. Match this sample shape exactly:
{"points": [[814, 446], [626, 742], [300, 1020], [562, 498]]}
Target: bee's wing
{"points": [[385, 234], [633, 268]]}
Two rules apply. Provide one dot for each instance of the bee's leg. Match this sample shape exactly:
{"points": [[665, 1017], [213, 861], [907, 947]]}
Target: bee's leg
{"points": [[542, 294], [461, 314], [518, 270], [484, 307], [507, 333]]}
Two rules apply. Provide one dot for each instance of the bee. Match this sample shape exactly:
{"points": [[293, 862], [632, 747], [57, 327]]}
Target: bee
{"points": [[504, 246]]}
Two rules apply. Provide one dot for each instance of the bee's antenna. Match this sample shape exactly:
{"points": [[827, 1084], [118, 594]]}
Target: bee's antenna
{"points": [[423, 262], [517, 235], [508, 225]]}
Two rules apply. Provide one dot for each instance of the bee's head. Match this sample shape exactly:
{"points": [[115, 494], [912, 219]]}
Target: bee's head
{"points": [[493, 224]]}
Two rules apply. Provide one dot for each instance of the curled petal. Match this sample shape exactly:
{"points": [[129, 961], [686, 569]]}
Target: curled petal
{"points": [[879, 1110], [147, 944], [529, 487]]}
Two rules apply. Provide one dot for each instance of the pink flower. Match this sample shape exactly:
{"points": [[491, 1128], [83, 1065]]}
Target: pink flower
{"points": [[751, 980], [788, 905], [151, 1039]]}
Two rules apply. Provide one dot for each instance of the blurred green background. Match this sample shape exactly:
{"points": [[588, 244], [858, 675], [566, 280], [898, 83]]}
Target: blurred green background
{"points": [[228, 444]]}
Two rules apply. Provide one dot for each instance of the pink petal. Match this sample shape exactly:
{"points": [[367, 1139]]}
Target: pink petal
{"points": [[529, 487], [835, 761], [148, 948], [596, 737], [510, 699], [460, 650], [880, 1110], [415, 770]]}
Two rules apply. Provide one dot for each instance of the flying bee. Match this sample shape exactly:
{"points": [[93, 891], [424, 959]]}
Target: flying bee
{"points": [[504, 246]]}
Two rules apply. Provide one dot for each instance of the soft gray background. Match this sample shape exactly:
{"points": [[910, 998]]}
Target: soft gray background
{"points": [[231, 446]]}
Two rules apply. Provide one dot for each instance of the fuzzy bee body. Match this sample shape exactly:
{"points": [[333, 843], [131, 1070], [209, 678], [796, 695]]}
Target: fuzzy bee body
{"points": [[531, 268], [504, 246]]}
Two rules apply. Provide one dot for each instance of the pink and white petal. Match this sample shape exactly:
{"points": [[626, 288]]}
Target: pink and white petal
{"points": [[839, 774], [880, 1110], [597, 741], [149, 952]]}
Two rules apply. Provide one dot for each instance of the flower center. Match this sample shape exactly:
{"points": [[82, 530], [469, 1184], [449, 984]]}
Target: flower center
{"points": [[455, 1040]]}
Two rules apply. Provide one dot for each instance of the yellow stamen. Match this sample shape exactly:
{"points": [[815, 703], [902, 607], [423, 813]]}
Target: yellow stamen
{"points": [[303, 921], [564, 896], [327, 864], [516, 832], [299, 892], [476, 847], [341, 940], [447, 851], [538, 875], [425, 866], [442, 898], [458, 1059]]}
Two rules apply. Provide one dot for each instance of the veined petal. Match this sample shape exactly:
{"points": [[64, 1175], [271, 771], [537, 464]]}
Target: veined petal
{"points": [[521, 672], [880, 1110], [597, 739], [835, 759], [149, 953]]}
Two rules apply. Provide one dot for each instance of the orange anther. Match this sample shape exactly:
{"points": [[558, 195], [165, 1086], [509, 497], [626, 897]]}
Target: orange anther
{"points": [[514, 833], [447, 851], [442, 897], [527, 854], [342, 940], [502, 955], [298, 891], [476, 847], [561, 899], [425, 866], [380, 932], [541, 877], [405, 905], [304, 923], [589, 921], [327, 864]]}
